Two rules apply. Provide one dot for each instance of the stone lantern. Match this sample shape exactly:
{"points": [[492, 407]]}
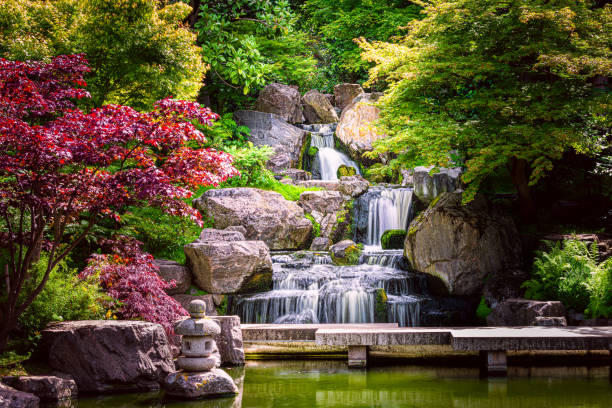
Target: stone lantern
{"points": [[199, 377]]}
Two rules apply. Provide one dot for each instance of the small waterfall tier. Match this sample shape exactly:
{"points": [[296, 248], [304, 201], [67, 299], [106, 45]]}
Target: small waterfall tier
{"points": [[382, 209], [328, 158], [309, 289]]}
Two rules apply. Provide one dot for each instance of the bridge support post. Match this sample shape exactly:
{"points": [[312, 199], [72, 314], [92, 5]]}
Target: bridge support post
{"points": [[494, 363], [357, 356]]}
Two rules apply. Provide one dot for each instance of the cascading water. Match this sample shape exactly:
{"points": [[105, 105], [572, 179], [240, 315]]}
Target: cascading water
{"points": [[329, 159]]}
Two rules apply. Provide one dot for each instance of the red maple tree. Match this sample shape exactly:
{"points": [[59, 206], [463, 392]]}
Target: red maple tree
{"points": [[60, 167]]}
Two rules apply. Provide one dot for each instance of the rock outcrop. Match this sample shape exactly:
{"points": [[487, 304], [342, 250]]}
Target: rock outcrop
{"points": [[266, 215], [317, 108], [327, 209], [462, 245], [109, 355], [320, 244], [427, 187], [353, 186], [12, 398], [228, 234], [173, 271], [229, 341], [356, 129], [345, 252], [281, 100], [525, 312], [230, 266], [45, 387], [271, 130], [197, 385], [345, 93]]}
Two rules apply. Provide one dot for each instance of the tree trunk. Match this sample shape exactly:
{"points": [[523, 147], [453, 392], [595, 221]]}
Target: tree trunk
{"points": [[519, 170]]}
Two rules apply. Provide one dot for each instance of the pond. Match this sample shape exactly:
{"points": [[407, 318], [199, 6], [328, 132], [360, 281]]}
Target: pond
{"points": [[309, 384]]}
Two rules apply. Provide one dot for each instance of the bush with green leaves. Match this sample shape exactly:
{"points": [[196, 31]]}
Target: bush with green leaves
{"points": [[570, 272]]}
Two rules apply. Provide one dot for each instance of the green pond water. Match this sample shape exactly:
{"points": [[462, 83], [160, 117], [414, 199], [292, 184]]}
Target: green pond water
{"points": [[298, 384]]}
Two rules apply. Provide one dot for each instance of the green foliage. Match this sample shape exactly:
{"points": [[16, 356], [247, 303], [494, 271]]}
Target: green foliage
{"points": [[351, 256], [570, 273], [483, 310], [380, 308], [498, 81], [138, 53], [64, 297], [316, 227], [393, 239], [162, 235], [225, 133], [345, 170], [339, 22]]}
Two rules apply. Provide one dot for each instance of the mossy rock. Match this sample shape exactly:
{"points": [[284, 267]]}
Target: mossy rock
{"points": [[260, 281], [345, 170], [345, 253], [381, 306], [393, 239], [312, 151]]}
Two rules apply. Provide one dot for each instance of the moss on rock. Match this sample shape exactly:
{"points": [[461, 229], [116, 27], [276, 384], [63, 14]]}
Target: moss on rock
{"points": [[393, 239], [380, 308], [345, 170]]}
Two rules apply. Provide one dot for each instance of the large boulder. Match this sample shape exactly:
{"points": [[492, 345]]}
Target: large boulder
{"points": [[229, 341], [109, 355], [45, 387], [266, 215], [317, 108], [356, 129], [12, 398], [228, 234], [427, 187], [185, 299], [282, 100], [345, 252], [353, 186], [463, 244], [268, 129], [174, 271], [525, 312], [230, 266], [215, 382], [345, 93], [328, 209]]}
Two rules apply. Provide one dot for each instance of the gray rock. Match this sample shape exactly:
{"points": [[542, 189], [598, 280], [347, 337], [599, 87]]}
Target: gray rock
{"points": [[428, 187], [324, 207], [199, 385], [45, 387], [230, 266], [356, 128], [185, 299], [271, 130], [462, 245], [345, 252], [281, 100], [266, 215], [211, 234], [320, 244], [353, 186], [322, 184], [109, 355], [296, 174], [525, 312], [238, 228], [12, 398], [345, 93], [174, 271], [229, 341], [317, 108]]}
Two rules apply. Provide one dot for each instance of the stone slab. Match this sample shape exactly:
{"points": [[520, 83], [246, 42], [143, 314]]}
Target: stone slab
{"points": [[383, 336], [300, 332]]}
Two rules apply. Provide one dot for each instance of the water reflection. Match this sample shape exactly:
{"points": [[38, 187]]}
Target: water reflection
{"points": [[309, 384]]}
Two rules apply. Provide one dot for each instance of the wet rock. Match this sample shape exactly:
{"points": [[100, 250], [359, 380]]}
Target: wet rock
{"points": [[12, 398], [229, 341], [356, 129], [281, 100], [325, 207], [427, 187], [173, 271], [345, 93], [185, 300], [271, 130], [106, 355], [353, 186], [345, 252], [230, 266], [266, 215], [228, 234], [462, 245], [525, 312], [199, 385], [317, 108], [45, 387], [320, 244]]}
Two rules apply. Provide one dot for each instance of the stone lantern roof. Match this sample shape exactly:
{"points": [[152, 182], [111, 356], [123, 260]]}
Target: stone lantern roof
{"points": [[198, 324]]}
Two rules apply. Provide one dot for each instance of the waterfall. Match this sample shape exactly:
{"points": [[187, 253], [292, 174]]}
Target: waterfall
{"points": [[330, 160], [390, 209]]}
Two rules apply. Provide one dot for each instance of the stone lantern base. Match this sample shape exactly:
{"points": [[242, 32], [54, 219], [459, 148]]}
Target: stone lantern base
{"points": [[200, 385]]}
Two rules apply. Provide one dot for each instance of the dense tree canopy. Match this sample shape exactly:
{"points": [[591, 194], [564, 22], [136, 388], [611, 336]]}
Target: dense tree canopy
{"points": [[138, 52], [63, 170], [504, 83]]}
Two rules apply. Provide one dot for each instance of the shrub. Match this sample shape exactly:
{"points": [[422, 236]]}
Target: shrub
{"points": [[316, 227], [393, 239], [569, 272]]}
